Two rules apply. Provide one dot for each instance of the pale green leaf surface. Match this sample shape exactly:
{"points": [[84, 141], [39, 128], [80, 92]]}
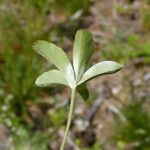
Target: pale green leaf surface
{"points": [[51, 77], [82, 51], [106, 67], [56, 56], [83, 91]]}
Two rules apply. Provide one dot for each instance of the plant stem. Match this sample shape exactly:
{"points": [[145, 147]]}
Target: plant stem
{"points": [[69, 118]]}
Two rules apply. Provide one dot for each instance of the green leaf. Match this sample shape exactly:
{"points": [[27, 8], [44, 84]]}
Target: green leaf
{"points": [[51, 77], [82, 51], [56, 56], [106, 67], [83, 91]]}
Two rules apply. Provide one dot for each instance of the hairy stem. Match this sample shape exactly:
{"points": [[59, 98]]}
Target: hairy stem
{"points": [[69, 118]]}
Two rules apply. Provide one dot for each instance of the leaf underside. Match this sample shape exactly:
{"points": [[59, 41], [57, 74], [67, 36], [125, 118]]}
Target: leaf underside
{"points": [[56, 56], [101, 68], [51, 77], [82, 51]]}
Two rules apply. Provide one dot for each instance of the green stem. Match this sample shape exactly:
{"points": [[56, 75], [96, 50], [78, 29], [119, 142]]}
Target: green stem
{"points": [[69, 118]]}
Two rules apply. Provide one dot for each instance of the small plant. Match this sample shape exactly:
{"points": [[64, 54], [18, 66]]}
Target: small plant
{"points": [[73, 75]]}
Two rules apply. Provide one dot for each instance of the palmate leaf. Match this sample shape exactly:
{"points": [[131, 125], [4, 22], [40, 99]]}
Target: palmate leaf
{"points": [[82, 51], [106, 67], [56, 56], [51, 77]]}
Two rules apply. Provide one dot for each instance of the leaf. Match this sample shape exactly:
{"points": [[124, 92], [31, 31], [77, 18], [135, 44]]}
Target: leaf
{"points": [[82, 51], [83, 91], [51, 77], [56, 56], [106, 67]]}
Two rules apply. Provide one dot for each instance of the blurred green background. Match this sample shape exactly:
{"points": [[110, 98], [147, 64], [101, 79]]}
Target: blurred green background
{"points": [[32, 118]]}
